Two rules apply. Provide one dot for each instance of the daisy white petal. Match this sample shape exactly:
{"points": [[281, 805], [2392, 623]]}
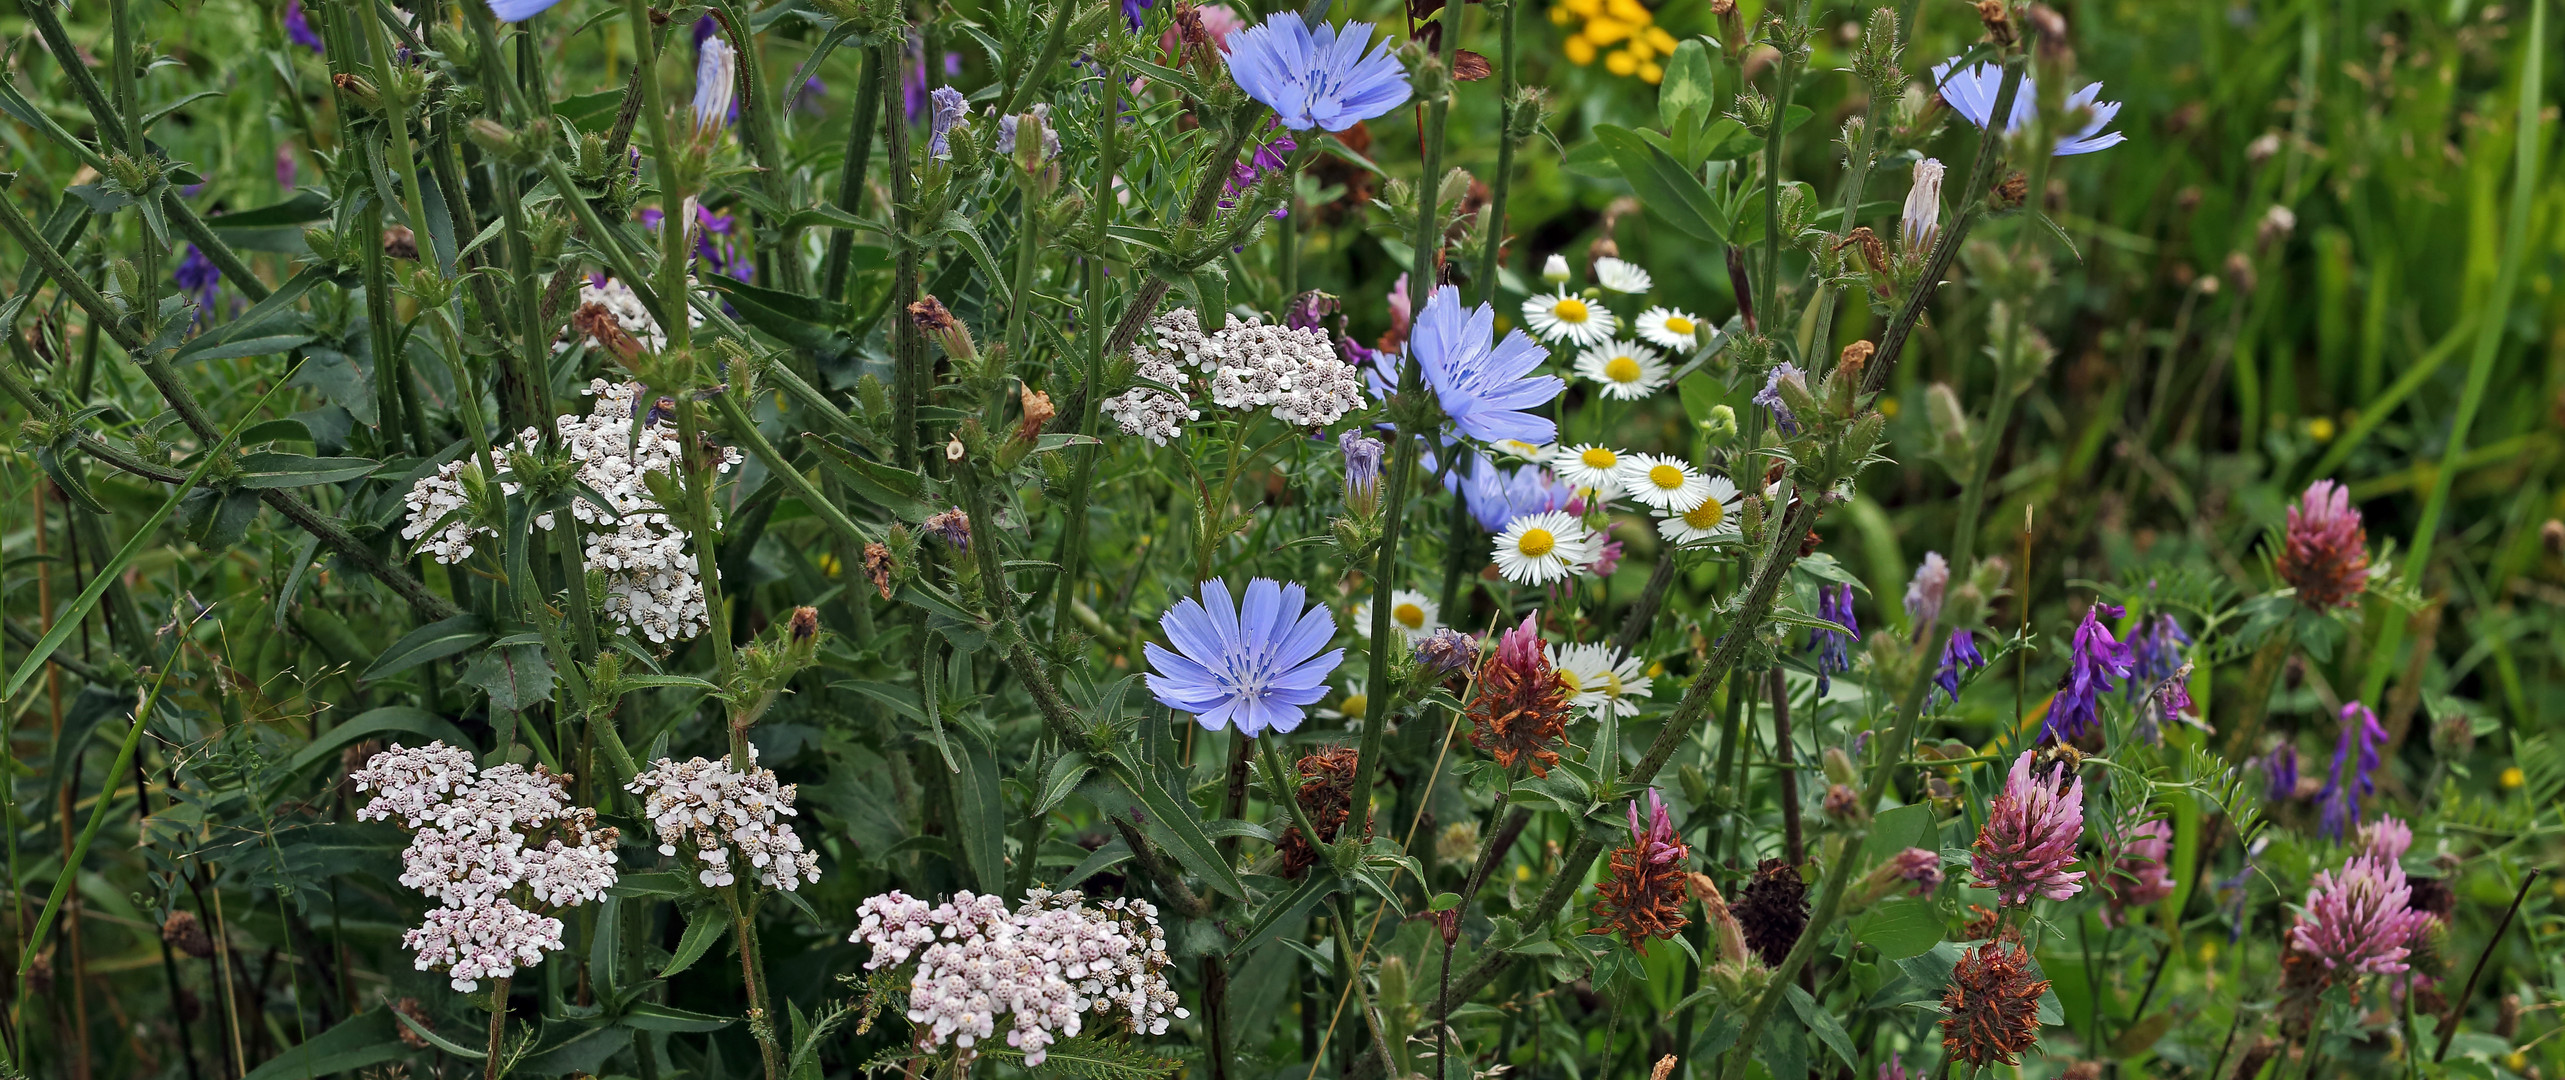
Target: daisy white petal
{"points": [[1538, 549], [1411, 614], [1599, 682], [1573, 319], [1587, 465], [1663, 482], [1626, 370], [1713, 519]]}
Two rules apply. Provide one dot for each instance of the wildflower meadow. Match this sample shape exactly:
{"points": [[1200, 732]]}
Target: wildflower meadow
{"points": [[1139, 539]]}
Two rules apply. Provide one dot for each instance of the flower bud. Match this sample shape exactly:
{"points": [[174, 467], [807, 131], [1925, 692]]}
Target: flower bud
{"points": [[1843, 804], [1839, 767], [1721, 424], [1917, 871], [1951, 436]]}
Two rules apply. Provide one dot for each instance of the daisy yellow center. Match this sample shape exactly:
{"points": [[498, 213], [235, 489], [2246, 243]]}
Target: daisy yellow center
{"points": [[1666, 477], [1569, 309], [1621, 369], [1678, 324], [1612, 684], [1536, 543], [1354, 704], [1599, 458], [1574, 685], [1708, 515], [1408, 615]]}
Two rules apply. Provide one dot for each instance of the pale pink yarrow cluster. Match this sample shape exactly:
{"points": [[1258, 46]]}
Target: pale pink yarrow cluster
{"points": [[727, 820], [2360, 920], [490, 842], [1295, 373], [1044, 966], [651, 582], [2028, 842]]}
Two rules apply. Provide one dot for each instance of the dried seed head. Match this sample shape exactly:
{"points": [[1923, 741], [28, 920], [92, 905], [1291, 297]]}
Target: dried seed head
{"points": [[1991, 1005], [184, 933], [1773, 909], [1326, 794], [1521, 710], [399, 242], [877, 566], [1999, 22]]}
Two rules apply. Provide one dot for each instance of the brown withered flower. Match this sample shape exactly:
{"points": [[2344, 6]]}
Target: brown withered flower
{"points": [[593, 320], [804, 624], [1643, 896], [1326, 794], [399, 242], [186, 934], [1038, 411], [1773, 910], [1982, 924], [877, 566], [1993, 1005], [1521, 710], [418, 1014]]}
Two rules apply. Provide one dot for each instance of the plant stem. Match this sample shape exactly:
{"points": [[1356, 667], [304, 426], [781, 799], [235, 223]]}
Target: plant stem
{"points": [[834, 266], [2457, 1005], [752, 970], [492, 1064], [1491, 259]]}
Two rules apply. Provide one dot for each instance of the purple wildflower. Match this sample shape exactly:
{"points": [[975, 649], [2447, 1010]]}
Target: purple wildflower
{"points": [[1446, 651], [1960, 652], [199, 278], [286, 166], [1309, 310], [1834, 605], [298, 28], [2156, 649], [1269, 158], [1770, 397], [2340, 803], [1362, 472], [2360, 921], [1135, 11], [2279, 773], [1924, 594], [2386, 838], [953, 527], [2092, 662], [1917, 871], [1655, 843], [950, 108], [1606, 561], [2028, 842], [913, 96]]}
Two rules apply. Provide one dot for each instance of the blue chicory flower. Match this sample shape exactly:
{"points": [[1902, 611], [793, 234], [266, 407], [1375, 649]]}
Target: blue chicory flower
{"points": [[2338, 813], [1959, 652], [950, 108], [1971, 91], [2092, 661], [1835, 605], [1316, 77], [1484, 385], [1497, 496], [508, 11], [1770, 397], [1255, 666], [298, 27]]}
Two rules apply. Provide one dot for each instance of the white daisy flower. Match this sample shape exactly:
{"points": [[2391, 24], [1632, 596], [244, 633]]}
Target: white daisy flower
{"points": [[1574, 319], [1669, 328], [1714, 519], [1520, 450], [1538, 549], [1621, 276], [1349, 708], [1411, 613], [1598, 683], [1555, 271], [1663, 482], [1588, 466], [1627, 370]]}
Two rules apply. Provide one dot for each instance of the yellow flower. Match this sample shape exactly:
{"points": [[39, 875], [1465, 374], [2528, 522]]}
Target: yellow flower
{"points": [[1888, 407], [2321, 428], [1579, 51], [1621, 62], [828, 564], [1639, 48], [2208, 952], [1561, 16], [1652, 73], [1584, 8], [1606, 31], [2513, 777], [1629, 11], [1659, 40]]}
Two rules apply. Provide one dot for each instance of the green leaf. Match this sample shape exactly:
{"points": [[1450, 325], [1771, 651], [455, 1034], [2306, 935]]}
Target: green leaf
{"points": [[1899, 828], [704, 926], [439, 1041], [1086, 1057], [268, 469], [368, 1038], [1828, 1029], [271, 345], [979, 807], [1689, 94], [516, 677], [370, 723], [649, 1016], [1171, 822], [1669, 191], [1279, 911], [435, 641], [1901, 927]]}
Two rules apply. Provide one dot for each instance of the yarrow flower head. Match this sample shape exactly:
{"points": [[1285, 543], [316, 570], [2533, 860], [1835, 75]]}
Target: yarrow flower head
{"points": [[2028, 842], [1520, 709], [1317, 77], [491, 845], [1297, 375], [1971, 92], [2356, 750], [1485, 385], [1642, 897], [2360, 920], [2325, 553], [1045, 966], [1256, 666], [2092, 661], [727, 821]]}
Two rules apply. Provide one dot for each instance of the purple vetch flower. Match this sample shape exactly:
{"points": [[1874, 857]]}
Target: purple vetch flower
{"points": [[199, 278], [1362, 472], [2339, 812], [2360, 921], [1319, 77], [298, 27], [286, 166], [1485, 385], [2167, 699], [811, 98], [1256, 666], [2028, 842], [2156, 650], [1959, 652], [1971, 91], [2386, 838], [1309, 310], [2279, 773], [1924, 593], [1916, 871], [1446, 651], [1834, 605], [950, 109], [1137, 10], [2094, 659], [1269, 158], [1770, 396], [1497, 496]]}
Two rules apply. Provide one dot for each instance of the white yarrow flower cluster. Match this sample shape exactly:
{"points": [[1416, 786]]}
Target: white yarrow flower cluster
{"points": [[651, 584], [1044, 965], [489, 843], [1246, 365], [727, 819]]}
